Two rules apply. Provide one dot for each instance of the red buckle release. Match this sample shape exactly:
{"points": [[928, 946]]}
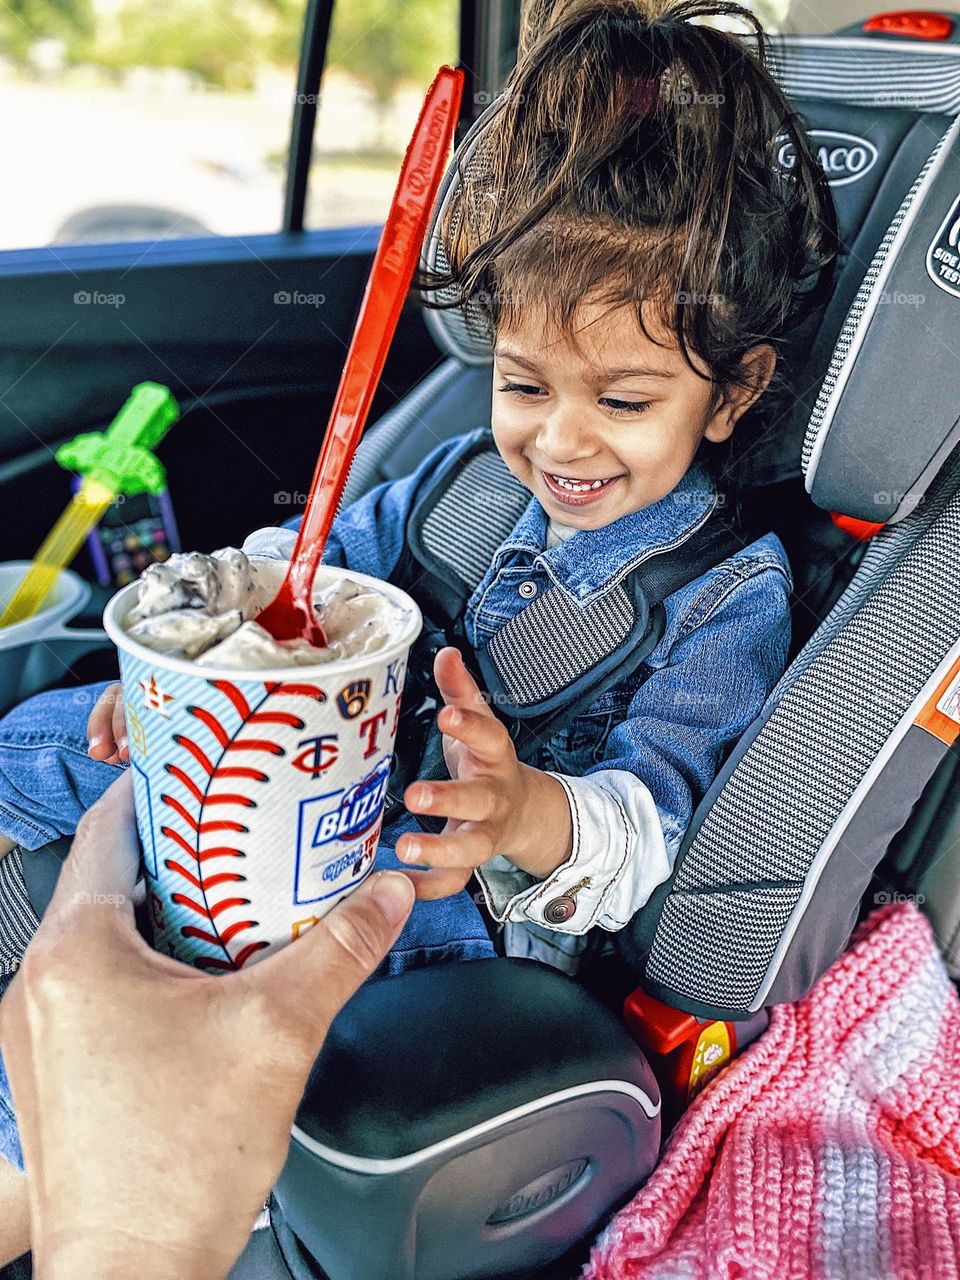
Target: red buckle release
{"points": [[654, 1025], [862, 530], [684, 1052], [918, 24]]}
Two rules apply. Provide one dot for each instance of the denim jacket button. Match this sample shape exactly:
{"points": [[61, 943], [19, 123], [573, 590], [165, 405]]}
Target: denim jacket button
{"points": [[527, 589], [559, 910]]}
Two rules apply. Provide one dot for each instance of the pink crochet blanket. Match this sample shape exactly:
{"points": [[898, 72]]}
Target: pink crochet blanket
{"points": [[831, 1149]]}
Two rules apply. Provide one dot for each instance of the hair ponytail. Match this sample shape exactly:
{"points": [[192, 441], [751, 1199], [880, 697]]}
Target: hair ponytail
{"points": [[634, 152]]}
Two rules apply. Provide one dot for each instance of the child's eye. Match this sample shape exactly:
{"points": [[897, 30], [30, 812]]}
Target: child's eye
{"points": [[625, 407], [521, 389]]}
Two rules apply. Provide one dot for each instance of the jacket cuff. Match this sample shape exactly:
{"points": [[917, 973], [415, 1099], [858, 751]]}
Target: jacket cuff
{"points": [[270, 544], [619, 856]]}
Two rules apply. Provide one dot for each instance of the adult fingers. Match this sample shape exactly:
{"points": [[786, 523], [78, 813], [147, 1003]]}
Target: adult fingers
{"points": [[102, 866], [316, 975]]}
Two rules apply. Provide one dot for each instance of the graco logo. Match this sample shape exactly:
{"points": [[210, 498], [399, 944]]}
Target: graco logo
{"points": [[943, 256], [538, 1193], [843, 157]]}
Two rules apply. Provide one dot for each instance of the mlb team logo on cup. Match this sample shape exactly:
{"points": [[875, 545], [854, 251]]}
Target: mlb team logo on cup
{"points": [[259, 794]]}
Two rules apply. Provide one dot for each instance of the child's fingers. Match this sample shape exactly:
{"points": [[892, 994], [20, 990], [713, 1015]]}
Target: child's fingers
{"points": [[120, 729], [431, 885], [102, 743], [468, 847], [468, 801], [479, 731], [457, 686]]}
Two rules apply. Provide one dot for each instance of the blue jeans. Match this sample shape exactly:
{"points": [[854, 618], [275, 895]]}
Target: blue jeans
{"points": [[47, 782]]}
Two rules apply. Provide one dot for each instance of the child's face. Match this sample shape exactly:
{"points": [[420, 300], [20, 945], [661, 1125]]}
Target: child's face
{"points": [[621, 410]]}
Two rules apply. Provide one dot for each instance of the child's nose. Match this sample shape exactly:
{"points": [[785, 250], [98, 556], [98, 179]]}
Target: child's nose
{"points": [[562, 437]]}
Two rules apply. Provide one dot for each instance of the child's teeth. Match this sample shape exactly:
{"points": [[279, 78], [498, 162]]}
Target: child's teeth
{"points": [[577, 487]]}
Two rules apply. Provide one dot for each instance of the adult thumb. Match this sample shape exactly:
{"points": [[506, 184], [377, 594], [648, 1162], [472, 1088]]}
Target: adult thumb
{"points": [[326, 965]]}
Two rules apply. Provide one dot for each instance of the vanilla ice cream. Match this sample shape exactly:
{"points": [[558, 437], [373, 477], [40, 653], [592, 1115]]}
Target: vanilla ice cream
{"points": [[204, 608]]}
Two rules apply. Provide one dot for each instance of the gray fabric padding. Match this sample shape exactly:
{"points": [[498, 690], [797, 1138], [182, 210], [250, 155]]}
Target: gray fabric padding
{"points": [[725, 937], [776, 809], [868, 72], [833, 908], [573, 639], [843, 367], [485, 482], [447, 402], [883, 554], [18, 920]]}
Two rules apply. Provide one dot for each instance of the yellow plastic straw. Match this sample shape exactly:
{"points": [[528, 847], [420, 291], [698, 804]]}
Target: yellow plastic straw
{"points": [[59, 548]]}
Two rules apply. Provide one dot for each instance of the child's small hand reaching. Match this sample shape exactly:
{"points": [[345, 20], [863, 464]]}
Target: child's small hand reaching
{"points": [[494, 803], [107, 728]]}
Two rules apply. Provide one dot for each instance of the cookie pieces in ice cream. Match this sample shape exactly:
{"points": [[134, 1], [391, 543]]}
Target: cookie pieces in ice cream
{"points": [[204, 608], [191, 602], [224, 582]]}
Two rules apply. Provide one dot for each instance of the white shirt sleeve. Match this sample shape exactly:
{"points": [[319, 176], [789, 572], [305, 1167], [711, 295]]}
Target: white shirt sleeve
{"points": [[619, 856], [271, 543]]}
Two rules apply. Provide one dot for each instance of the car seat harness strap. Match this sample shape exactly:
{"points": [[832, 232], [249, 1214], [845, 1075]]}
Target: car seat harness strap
{"points": [[552, 660]]}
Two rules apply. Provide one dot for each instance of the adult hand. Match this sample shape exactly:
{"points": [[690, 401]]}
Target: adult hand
{"points": [[155, 1101], [494, 804]]}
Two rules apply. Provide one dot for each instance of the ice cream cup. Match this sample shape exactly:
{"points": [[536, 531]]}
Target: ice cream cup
{"points": [[259, 794]]}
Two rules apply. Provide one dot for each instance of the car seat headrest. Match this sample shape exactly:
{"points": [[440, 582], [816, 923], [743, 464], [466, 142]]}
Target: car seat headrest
{"points": [[886, 416], [874, 109]]}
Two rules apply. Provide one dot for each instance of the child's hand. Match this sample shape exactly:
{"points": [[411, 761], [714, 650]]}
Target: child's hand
{"points": [[107, 728], [494, 803]]}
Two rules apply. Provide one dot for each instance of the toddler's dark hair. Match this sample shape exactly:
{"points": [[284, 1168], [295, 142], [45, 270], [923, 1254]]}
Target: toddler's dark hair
{"points": [[634, 156]]}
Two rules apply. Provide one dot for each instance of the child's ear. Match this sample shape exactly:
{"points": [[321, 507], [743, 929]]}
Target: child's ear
{"points": [[758, 366]]}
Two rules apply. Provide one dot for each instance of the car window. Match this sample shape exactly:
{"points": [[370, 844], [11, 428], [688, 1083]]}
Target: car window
{"points": [[381, 57], [128, 119]]}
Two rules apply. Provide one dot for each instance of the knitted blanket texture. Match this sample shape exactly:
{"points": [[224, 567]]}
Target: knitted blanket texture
{"points": [[831, 1149]]}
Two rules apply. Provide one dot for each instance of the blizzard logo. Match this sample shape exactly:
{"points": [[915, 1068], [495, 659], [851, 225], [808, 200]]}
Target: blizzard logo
{"points": [[943, 256], [843, 157], [357, 811]]}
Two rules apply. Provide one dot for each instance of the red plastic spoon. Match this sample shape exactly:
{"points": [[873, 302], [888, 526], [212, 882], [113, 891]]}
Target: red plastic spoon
{"points": [[291, 615]]}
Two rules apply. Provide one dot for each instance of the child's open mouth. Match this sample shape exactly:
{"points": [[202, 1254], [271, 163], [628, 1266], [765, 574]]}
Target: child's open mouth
{"points": [[577, 493]]}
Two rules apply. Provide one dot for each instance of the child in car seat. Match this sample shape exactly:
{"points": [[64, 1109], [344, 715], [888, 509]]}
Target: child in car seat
{"points": [[627, 235]]}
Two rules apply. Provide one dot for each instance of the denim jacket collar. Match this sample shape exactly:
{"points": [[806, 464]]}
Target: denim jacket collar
{"points": [[593, 560]]}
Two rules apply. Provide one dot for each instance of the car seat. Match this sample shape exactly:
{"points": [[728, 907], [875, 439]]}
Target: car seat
{"points": [[482, 1120], [477, 1120]]}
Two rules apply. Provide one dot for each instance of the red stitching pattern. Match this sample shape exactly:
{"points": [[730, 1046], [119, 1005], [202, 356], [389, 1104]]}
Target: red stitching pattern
{"points": [[214, 769], [222, 877]]}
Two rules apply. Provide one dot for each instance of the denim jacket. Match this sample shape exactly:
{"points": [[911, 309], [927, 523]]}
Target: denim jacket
{"points": [[635, 765]]}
